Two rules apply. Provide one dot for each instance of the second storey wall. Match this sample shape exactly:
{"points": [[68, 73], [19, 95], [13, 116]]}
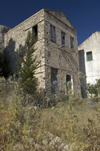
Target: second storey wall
{"points": [[53, 51], [15, 41]]}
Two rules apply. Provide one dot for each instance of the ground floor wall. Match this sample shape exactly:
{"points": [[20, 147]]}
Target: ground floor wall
{"points": [[61, 67], [57, 82]]}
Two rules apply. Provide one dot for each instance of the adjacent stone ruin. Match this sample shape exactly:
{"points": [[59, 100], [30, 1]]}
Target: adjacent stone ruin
{"points": [[3, 30]]}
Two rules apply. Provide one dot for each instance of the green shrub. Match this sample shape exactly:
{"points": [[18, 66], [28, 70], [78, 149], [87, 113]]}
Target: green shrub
{"points": [[28, 66], [94, 89]]}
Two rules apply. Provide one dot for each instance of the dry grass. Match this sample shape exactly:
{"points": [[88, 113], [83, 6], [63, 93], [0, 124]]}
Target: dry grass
{"points": [[75, 123]]}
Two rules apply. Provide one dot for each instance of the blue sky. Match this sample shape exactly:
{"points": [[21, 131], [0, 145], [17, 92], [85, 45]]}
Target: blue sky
{"points": [[83, 14]]}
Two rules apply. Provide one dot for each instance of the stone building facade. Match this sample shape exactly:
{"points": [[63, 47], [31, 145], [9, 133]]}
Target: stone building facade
{"points": [[56, 48]]}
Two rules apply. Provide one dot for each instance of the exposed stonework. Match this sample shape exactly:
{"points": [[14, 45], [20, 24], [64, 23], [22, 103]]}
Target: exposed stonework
{"points": [[59, 57], [3, 30], [64, 60]]}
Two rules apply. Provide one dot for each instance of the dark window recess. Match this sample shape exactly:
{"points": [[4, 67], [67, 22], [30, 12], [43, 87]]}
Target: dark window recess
{"points": [[54, 83], [53, 33], [63, 39], [35, 32], [89, 56], [68, 79], [72, 42]]}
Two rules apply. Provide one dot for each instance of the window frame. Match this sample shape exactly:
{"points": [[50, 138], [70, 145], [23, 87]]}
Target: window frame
{"points": [[63, 34], [35, 36], [89, 56], [54, 80], [71, 42], [52, 33]]}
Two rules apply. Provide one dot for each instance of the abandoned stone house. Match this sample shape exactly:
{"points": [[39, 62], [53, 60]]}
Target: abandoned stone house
{"points": [[56, 48]]}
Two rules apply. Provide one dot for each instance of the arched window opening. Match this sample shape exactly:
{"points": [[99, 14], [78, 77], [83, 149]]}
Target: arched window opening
{"points": [[69, 82], [68, 78]]}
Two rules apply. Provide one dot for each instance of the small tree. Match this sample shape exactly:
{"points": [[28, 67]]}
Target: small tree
{"points": [[28, 66], [4, 64]]}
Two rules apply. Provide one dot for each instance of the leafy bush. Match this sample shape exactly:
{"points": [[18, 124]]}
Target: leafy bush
{"points": [[94, 89]]}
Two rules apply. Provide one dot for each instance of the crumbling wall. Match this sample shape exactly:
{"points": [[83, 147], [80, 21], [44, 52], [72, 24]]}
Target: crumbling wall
{"points": [[49, 53], [64, 59], [15, 41], [3, 30]]}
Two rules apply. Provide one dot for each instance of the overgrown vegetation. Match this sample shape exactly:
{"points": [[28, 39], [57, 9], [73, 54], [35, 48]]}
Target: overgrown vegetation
{"points": [[94, 89], [72, 124], [27, 67], [4, 64], [59, 123]]}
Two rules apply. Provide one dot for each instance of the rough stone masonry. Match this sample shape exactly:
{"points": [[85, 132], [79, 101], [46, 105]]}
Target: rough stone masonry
{"points": [[3, 30], [56, 48]]}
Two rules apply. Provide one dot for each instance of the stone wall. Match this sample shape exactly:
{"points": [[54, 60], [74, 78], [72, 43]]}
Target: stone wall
{"points": [[56, 57], [15, 40], [49, 53]]}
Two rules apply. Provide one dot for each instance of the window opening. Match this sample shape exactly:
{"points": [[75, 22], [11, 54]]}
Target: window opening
{"points": [[68, 81], [63, 39], [54, 82], [53, 33], [72, 42], [35, 32], [89, 56]]}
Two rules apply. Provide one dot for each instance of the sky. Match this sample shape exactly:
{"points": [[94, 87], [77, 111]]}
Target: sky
{"points": [[84, 15]]}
